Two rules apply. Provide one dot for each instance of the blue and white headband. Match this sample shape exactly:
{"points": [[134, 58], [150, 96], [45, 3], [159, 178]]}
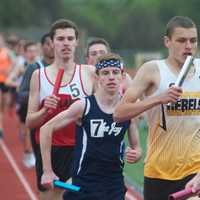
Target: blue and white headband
{"points": [[109, 63]]}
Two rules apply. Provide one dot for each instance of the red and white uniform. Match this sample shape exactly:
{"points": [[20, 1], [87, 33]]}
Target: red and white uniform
{"points": [[68, 93]]}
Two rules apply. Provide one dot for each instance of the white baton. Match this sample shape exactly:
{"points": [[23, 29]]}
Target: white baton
{"points": [[184, 71]]}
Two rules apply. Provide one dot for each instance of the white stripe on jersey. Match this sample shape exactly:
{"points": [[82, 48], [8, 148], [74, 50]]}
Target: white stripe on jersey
{"points": [[83, 150]]}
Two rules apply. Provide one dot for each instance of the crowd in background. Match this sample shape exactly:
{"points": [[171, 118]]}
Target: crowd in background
{"points": [[16, 54]]}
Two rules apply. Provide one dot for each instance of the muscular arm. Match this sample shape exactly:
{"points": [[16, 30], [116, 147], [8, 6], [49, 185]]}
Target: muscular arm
{"points": [[73, 113], [133, 136], [134, 152], [129, 107], [35, 116], [146, 78]]}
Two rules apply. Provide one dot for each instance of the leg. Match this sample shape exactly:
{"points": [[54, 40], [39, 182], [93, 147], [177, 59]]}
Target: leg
{"points": [[29, 157], [115, 188], [27, 141], [62, 158], [61, 163], [71, 196]]}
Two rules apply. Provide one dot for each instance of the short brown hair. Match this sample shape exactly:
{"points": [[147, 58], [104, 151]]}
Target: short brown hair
{"points": [[62, 24], [97, 40], [179, 21], [28, 44]]}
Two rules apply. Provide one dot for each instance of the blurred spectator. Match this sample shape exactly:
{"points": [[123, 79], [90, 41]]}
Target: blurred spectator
{"points": [[6, 62]]}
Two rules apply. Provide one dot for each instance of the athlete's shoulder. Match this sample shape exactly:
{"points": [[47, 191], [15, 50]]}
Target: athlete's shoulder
{"points": [[149, 67], [88, 67], [87, 77], [150, 64], [38, 70], [147, 74], [87, 70]]}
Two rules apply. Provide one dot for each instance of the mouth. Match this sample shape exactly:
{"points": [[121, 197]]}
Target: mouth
{"points": [[187, 54], [66, 51], [111, 85]]}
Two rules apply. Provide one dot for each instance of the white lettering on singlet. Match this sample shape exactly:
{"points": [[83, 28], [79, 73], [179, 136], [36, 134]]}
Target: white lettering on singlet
{"points": [[98, 128]]}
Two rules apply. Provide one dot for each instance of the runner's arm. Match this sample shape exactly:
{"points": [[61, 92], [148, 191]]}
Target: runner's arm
{"points": [[72, 114], [134, 151], [145, 78], [35, 116]]}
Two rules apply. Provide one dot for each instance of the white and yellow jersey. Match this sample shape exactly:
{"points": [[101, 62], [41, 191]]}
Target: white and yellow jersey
{"points": [[174, 152]]}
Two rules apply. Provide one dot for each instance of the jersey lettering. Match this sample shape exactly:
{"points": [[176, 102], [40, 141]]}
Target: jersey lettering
{"points": [[188, 104], [99, 128], [74, 90]]}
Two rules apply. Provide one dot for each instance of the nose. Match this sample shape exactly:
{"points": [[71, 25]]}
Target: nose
{"points": [[188, 44], [111, 75], [66, 41]]}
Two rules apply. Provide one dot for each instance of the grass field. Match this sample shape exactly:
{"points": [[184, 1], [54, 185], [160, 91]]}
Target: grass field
{"points": [[135, 171]]}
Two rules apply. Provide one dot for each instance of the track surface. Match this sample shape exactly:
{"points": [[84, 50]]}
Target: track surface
{"points": [[16, 181]]}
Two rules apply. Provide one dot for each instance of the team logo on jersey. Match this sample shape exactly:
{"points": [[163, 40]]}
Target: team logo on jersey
{"points": [[99, 127], [188, 104]]}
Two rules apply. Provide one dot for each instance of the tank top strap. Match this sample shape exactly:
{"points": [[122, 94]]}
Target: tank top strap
{"points": [[40, 64]]}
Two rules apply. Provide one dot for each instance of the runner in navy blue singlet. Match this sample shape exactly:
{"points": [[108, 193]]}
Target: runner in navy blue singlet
{"points": [[98, 163]]}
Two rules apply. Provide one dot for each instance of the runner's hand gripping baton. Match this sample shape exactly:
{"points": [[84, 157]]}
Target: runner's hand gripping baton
{"points": [[66, 186], [182, 194], [57, 85], [183, 73]]}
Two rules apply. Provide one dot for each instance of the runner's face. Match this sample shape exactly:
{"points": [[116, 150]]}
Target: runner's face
{"points": [[31, 53], [182, 42], [95, 51], [47, 48], [110, 78], [65, 43]]}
